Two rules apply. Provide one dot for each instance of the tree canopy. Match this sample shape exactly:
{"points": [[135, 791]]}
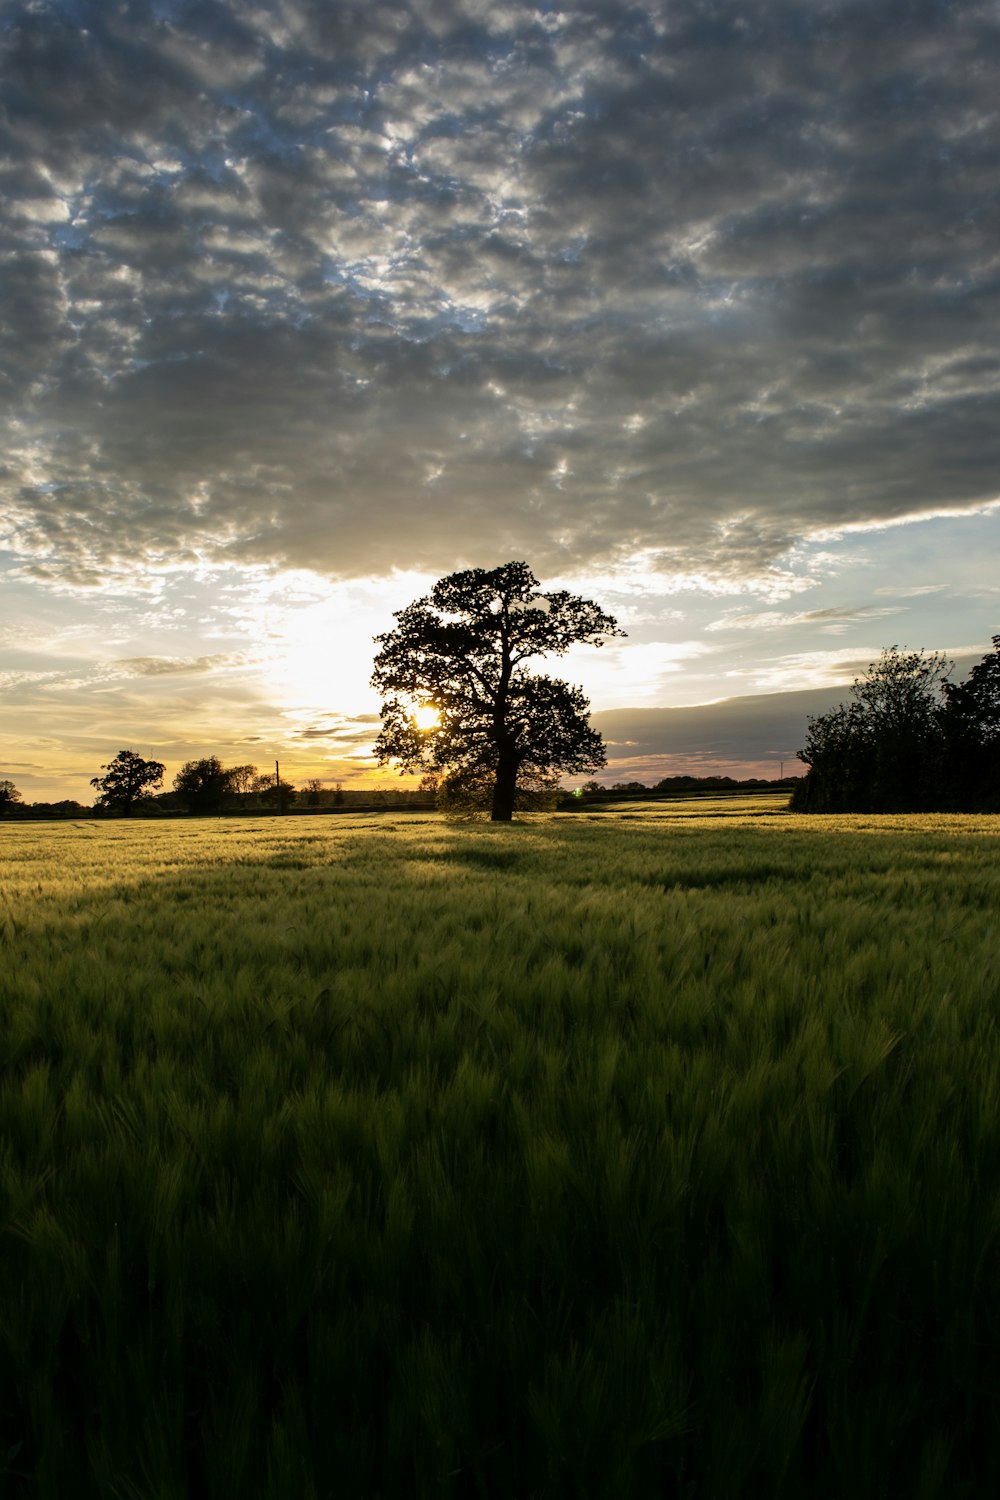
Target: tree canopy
{"points": [[129, 778], [9, 794], [908, 741], [458, 696], [202, 784]]}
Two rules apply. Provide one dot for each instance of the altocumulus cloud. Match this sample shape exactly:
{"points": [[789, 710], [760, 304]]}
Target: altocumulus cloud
{"points": [[351, 286]]}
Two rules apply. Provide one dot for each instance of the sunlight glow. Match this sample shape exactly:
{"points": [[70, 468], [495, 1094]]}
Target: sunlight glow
{"points": [[426, 716]]}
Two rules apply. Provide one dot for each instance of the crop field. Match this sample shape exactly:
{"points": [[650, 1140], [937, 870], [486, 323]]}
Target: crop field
{"points": [[644, 1152]]}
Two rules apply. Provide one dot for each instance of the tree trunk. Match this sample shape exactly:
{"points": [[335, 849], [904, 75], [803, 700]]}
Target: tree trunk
{"points": [[504, 788]]}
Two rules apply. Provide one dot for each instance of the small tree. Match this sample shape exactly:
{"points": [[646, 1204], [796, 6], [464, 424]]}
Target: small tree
{"points": [[127, 782], [202, 784], [458, 697], [9, 796]]}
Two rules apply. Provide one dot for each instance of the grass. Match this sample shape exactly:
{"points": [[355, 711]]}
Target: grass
{"points": [[632, 1154]]}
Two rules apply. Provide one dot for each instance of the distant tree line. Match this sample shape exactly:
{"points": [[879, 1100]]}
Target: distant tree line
{"points": [[131, 786], [908, 740], [678, 786]]}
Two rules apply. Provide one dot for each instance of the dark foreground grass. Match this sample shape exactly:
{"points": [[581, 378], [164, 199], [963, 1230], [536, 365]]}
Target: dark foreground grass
{"points": [[657, 1156]]}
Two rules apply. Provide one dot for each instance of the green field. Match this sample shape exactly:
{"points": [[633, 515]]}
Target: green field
{"points": [[649, 1152]]}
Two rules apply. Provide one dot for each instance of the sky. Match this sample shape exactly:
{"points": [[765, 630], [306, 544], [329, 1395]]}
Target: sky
{"points": [[692, 305]]}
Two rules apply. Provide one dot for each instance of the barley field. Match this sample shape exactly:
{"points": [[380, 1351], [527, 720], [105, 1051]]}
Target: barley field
{"points": [[648, 1152]]}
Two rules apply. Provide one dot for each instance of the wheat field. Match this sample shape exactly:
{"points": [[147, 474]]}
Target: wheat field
{"points": [[652, 1151]]}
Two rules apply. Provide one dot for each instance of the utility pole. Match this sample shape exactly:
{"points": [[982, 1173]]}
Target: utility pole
{"points": [[277, 787], [782, 765]]}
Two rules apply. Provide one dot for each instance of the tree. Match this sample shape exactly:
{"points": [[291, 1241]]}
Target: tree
{"points": [[242, 780], [202, 784], [128, 779], [975, 703], [971, 722], [9, 795], [838, 752], [271, 794], [458, 697], [884, 751]]}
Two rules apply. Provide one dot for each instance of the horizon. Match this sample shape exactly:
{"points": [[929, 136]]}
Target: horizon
{"points": [[693, 311], [700, 753], [706, 740]]}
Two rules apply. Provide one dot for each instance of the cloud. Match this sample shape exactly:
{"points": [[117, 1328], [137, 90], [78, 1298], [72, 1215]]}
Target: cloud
{"points": [[324, 287], [833, 620], [819, 670], [355, 729], [764, 729], [161, 666]]}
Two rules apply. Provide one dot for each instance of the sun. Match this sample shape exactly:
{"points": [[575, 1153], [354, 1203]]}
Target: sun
{"points": [[426, 716]]}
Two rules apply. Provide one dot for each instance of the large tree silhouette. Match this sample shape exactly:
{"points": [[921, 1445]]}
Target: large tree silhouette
{"points": [[129, 778], [460, 654]]}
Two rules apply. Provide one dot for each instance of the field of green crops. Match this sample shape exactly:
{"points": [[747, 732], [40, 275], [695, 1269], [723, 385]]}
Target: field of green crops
{"points": [[653, 1152]]}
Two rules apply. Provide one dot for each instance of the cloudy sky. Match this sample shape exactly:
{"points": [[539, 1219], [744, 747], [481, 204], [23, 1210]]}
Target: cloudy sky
{"points": [[693, 305]]}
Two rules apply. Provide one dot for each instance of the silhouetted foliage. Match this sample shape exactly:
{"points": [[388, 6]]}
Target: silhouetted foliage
{"points": [[67, 808], [128, 780], [270, 794], [462, 651], [242, 780], [908, 741], [972, 733], [593, 792], [202, 785], [9, 795], [717, 783]]}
